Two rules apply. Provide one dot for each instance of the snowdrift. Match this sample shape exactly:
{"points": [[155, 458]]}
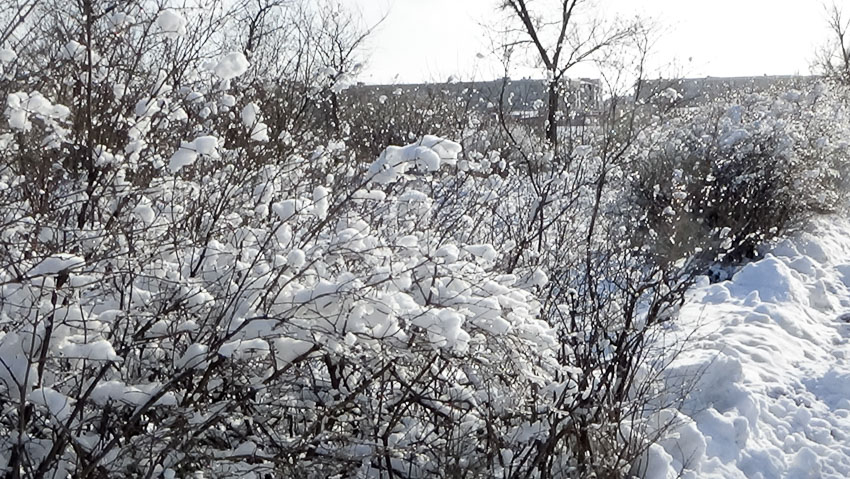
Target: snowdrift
{"points": [[769, 376]]}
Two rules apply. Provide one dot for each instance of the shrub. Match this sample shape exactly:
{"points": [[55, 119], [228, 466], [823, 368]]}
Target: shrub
{"points": [[719, 181], [197, 274]]}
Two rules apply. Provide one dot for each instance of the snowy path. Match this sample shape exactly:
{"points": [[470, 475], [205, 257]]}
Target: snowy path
{"points": [[773, 360]]}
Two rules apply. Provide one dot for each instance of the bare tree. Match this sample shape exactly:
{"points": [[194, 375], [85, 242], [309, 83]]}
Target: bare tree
{"points": [[339, 38], [833, 59], [560, 44]]}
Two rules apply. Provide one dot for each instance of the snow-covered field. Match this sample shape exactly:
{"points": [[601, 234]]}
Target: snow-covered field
{"points": [[772, 358]]}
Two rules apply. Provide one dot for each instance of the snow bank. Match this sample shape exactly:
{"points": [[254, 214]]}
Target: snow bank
{"points": [[769, 378]]}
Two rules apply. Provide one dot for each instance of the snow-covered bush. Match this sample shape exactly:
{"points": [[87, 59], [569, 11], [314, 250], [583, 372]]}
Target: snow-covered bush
{"points": [[178, 295], [200, 274], [226, 313], [726, 177], [379, 116]]}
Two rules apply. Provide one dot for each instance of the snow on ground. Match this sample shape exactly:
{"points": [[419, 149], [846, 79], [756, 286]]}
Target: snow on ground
{"points": [[772, 362]]}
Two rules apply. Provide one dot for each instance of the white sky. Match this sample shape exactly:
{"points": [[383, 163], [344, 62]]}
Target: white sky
{"points": [[430, 40]]}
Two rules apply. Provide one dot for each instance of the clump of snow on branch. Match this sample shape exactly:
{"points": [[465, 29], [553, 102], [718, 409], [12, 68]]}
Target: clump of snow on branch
{"points": [[171, 23], [232, 65], [427, 154]]}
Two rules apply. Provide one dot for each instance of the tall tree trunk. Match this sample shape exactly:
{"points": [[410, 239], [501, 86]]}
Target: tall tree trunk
{"points": [[552, 115], [335, 123]]}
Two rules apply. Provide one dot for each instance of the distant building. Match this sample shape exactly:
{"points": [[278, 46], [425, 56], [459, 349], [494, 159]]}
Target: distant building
{"points": [[697, 91], [525, 99]]}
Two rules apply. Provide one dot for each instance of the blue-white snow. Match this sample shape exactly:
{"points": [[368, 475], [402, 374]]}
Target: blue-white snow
{"points": [[772, 392]]}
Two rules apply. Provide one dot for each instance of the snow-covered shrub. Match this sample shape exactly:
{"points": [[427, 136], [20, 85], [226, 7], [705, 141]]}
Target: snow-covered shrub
{"points": [[199, 274], [239, 316], [726, 177], [561, 227], [178, 295], [377, 117]]}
